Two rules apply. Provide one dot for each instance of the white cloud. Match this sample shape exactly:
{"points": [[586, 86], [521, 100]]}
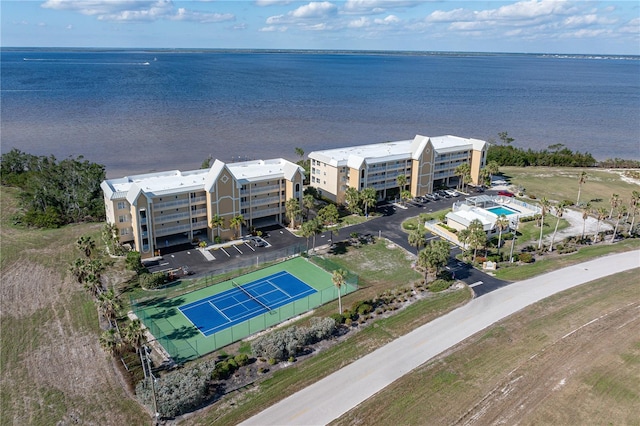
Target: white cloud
{"points": [[186, 15], [272, 2], [361, 22], [135, 10], [314, 10], [389, 20], [375, 7], [272, 29]]}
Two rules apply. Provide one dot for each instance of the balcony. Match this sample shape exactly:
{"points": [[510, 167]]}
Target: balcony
{"points": [[261, 190], [180, 228], [261, 201]]}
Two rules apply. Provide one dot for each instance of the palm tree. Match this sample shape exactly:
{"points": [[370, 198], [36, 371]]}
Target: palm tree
{"points": [[621, 212], [292, 210], [544, 205], [633, 203], [402, 181], [79, 270], [312, 228], [339, 278], [109, 305], [614, 202], [236, 223], [585, 214], [134, 334], [502, 223], [601, 213], [217, 222], [560, 209], [299, 152], [417, 239], [405, 195], [368, 197], [352, 200], [308, 202], [513, 241], [86, 244], [464, 172], [434, 256], [494, 168], [111, 341], [473, 236], [582, 178]]}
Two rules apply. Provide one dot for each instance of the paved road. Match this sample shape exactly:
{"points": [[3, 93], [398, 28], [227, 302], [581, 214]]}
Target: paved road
{"points": [[336, 394]]}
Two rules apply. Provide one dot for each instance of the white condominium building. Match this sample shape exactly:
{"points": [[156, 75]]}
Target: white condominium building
{"points": [[157, 210], [427, 162]]}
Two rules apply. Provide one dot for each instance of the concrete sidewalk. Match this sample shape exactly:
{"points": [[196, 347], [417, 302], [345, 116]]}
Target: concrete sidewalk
{"points": [[339, 392]]}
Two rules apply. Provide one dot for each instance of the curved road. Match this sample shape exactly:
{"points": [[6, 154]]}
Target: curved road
{"points": [[337, 393]]}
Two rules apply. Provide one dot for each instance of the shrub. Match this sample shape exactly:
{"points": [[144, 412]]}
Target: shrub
{"points": [[439, 285], [272, 361], [291, 359], [152, 281], [348, 322], [178, 392], [525, 257], [339, 319], [242, 359]]}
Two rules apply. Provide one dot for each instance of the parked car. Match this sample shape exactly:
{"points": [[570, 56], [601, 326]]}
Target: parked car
{"points": [[432, 197], [479, 189], [443, 194], [506, 194], [452, 193]]}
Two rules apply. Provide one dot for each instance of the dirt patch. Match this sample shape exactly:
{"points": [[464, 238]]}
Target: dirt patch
{"points": [[27, 287]]}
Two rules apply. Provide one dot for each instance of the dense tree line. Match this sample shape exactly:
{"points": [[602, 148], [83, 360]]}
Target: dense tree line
{"points": [[507, 155], [54, 193]]}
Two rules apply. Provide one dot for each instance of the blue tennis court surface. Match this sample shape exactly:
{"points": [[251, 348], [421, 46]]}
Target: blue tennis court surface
{"points": [[236, 305]]}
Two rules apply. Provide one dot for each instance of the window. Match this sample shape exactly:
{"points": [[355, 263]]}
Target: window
{"points": [[121, 205], [123, 218], [124, 231]]}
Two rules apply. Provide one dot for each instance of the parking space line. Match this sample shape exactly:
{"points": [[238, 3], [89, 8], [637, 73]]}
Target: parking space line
{"points": [[249, 245], [236, 247], [476, 284], [225, 252]]}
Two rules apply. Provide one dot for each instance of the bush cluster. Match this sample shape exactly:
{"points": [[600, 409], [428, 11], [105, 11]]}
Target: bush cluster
{"points": [[439, 285], [282, 344], [178, 392], [224, 369], [152, 281], [525, 258]]}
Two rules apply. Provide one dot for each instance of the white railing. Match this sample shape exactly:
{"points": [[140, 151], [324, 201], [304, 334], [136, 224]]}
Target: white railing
{"points": [[260, 190]]}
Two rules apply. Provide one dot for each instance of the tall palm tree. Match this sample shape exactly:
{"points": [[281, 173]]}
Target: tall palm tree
{"points": [[368, 196], [405, 195], [401, 180], [109, 305], [434, 256], [236, 223], [476, 237], [417, 239], [582, 178], [339, 279], [585, 214], [308, 202], [633, 203], [614, 202], [352, 200], [292, 210], [502, 223], [217, 222], [134, 334], [79, 269], [621, 212], [464, 172], [311, 228], [601, 213], [494, 168], [544, 205], [560, 209]]}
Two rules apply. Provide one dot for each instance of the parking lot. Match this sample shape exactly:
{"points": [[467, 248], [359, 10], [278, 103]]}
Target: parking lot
{"points": [[187, 259]]}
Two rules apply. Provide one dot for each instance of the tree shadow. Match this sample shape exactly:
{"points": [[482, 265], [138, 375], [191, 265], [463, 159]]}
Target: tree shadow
{"points": [[183, 332]]}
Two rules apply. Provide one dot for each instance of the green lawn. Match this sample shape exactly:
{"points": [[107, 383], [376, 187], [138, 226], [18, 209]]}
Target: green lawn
{"points": [[561, 183]]}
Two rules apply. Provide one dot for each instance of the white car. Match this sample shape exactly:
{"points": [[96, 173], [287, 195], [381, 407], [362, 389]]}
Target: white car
{"points": [[452, 192]]}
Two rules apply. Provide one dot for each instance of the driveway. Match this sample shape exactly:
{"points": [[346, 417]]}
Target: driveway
{"points": [[339, 392]]}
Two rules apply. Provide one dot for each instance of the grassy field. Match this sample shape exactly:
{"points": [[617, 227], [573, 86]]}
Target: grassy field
{"points": [[558, 183], [550, 263], [573, 358], [52, 366]]}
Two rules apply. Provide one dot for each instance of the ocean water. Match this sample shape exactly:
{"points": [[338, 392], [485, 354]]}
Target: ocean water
{"points": [[141, 110]]}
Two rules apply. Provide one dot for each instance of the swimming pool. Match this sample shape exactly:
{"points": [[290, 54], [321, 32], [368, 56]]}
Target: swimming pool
{"points": [[501, 210]]}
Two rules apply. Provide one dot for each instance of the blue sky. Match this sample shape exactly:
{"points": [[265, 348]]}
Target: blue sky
{"points": [[550, 26]]}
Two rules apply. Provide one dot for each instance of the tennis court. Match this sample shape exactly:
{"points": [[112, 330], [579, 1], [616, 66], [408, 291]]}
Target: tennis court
{"points": [[199, 322], [242, 302]]}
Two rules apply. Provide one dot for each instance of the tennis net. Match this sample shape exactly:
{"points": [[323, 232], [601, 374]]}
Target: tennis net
{"points": [[251, 296]]}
